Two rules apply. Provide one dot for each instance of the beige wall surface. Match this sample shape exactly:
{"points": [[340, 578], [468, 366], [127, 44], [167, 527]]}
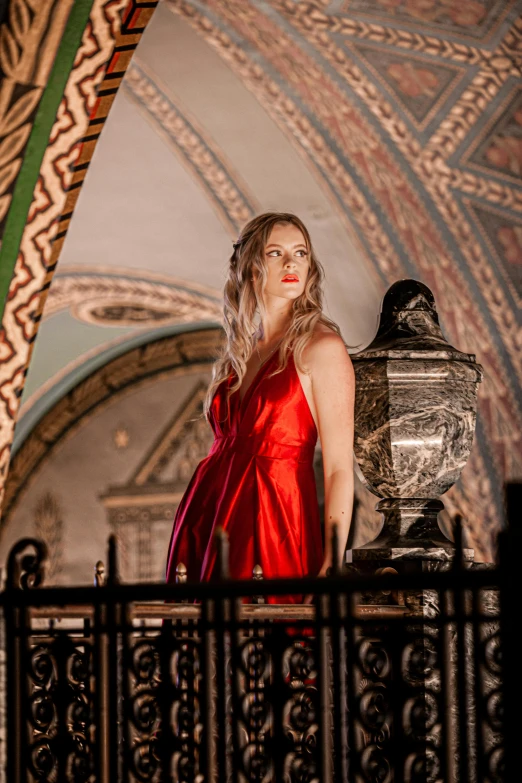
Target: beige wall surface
{"points": [[104, 451]]}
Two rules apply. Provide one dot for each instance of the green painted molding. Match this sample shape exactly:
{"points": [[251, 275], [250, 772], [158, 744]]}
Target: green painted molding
{"points": [[37, 144]]}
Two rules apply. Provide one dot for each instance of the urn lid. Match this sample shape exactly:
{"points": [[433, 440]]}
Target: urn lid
{"points": [[409, 327]]}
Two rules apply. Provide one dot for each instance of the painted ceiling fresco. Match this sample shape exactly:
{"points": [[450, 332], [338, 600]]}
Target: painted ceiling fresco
{"points": [[407, 113]]}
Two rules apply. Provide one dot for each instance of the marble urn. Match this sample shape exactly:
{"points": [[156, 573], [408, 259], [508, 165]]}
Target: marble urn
{"points": [[415, 414]]}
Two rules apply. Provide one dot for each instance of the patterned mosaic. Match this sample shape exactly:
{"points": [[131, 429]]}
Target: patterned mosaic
{"points": [[27, 50], [471, 18], [113, 31], [503, 237], [420, 87], [498, 152]]}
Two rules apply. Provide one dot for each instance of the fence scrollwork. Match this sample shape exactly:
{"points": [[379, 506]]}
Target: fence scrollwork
{"points": [[215, 683]]}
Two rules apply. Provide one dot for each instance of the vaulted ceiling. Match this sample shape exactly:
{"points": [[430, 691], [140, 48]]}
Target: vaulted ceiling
{"points": [[392, 127]]}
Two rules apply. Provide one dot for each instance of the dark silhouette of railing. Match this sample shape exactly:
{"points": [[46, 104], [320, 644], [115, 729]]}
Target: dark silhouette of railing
{"points": [[394, 677]]}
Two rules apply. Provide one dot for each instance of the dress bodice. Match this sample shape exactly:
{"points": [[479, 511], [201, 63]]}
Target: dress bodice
{"points": [[273, 413]]}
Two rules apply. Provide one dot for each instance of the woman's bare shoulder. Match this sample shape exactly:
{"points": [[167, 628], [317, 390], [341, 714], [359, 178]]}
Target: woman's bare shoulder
{"points": [[325, 338], [325, 347]]}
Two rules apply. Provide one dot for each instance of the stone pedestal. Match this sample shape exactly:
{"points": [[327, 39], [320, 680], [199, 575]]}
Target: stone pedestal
{"points": [[415, 406]]}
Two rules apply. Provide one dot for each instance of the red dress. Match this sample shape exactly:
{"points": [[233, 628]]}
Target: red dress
{"points": [[257, 482]]}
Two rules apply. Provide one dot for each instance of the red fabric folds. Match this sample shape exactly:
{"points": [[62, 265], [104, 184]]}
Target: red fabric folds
{"points": [[257, 482]]}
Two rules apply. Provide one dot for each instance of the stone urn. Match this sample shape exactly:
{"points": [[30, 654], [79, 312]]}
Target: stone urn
{"points": [[415, 414]]}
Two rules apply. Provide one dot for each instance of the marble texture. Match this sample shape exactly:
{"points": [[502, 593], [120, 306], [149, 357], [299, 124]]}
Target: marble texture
{"points": [[415, 415]]}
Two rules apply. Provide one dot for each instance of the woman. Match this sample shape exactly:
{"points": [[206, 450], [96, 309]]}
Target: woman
{"points": [[258, 481]]}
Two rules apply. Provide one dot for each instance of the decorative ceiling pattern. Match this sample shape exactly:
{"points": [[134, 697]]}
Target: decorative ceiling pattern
{"points": [[229, 196], [474, 19], [119, 303], [409, 112], [113, 30], [30, 38], [109, 297]]}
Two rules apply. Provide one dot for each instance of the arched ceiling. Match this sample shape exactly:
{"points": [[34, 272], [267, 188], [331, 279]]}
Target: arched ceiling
{"points": [[171, 183], [393, 127]]}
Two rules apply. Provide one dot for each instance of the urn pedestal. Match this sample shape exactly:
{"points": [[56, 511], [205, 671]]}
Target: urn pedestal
{"points": [[415, 414]]}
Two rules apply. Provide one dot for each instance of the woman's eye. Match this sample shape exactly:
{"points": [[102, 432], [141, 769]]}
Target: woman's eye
{"points": [[300, 253]]}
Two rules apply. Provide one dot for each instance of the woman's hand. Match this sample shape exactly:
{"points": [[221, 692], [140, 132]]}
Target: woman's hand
{"points": [[324, 571], [325, 568]]}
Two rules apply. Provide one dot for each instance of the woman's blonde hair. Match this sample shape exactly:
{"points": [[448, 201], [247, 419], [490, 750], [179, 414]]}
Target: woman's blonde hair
{"points": [[243, 298]]}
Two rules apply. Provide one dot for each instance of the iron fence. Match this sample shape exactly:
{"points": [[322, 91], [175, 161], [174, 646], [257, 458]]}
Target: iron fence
{"points": [[395, 677]]}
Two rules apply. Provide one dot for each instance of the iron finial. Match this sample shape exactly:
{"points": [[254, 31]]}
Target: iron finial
{"points": [[181, 574], [257, 576], [99, 574]]}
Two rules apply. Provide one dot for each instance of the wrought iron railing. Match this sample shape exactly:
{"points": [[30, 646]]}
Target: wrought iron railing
{"points": [[408, 677]]}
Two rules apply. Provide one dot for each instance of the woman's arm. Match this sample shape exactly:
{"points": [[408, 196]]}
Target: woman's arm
{"points": [[333, 389]]}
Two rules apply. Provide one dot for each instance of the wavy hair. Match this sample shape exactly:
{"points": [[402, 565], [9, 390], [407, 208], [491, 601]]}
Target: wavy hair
{"points": [[243, 300]]}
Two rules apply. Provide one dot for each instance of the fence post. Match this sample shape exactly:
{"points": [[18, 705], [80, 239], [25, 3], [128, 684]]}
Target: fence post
{"points": [[510, 543], [24, 571], [107, 667]]}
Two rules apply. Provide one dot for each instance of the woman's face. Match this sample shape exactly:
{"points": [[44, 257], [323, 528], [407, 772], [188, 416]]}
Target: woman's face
{"points": [[287, 261]]}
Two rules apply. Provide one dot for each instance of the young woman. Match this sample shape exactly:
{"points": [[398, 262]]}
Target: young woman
{"points": [[283, 378]]}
